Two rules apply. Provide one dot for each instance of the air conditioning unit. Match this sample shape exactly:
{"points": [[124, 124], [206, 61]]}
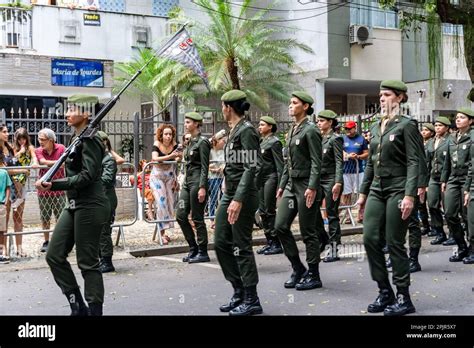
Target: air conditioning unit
{"points": [[360, 35]]}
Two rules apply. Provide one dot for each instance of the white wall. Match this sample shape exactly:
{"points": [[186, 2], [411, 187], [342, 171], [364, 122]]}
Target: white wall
{"points": [[454, 64], [112, 40], [380, 61]]}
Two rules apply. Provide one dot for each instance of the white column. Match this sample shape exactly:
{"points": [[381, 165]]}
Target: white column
{"points": [[320, 103]]}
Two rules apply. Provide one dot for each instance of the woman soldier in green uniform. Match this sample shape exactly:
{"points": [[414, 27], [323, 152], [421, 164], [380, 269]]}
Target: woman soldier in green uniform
{"points": [[109, 173], [390, 182], [437, 150], [235, 214], [300, 194], [454, 180], [469, 199], [85, 215], [193, 194], [331, 178], [271, 169]]}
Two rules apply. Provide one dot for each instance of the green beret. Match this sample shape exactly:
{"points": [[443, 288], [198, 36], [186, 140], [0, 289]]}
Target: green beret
{"points": [[429, 126], [466, 111], [268, 119], [102, 135], [394, 85], [233, 95], [193, 116], [83, 99], [303, 96], [443, 120], [328, 114]]}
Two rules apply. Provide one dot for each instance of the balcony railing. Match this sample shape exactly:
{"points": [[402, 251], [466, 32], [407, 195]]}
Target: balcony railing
{"points": [[15, 28]]}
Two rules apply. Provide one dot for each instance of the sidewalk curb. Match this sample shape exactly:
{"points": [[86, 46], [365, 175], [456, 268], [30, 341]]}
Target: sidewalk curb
{"points": [[178, 249]]}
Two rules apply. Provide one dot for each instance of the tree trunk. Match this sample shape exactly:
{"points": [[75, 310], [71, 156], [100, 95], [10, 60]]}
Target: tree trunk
{"points": [[233, 73]]}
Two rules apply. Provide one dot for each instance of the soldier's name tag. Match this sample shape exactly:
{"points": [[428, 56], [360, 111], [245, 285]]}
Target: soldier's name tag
{"points": [[464, 147], [263, 151], [297, 142], [392, 137], [325, 150]]}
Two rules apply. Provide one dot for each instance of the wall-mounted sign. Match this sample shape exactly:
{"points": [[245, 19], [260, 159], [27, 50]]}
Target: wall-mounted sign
{"points": [[92, 19], [77, 73]]}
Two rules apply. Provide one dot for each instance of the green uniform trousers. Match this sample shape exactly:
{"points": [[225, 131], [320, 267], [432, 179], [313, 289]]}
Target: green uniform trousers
{"points": [[106, 244], [81, 226], [470, 220], [188, 202], [293, 202], [454, 207], [414, 230], [435, 198], [332, 209], [267, 205], [233, 243], [383, 215]]}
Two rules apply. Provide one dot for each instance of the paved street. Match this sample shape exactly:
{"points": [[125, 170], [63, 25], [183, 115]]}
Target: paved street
{"points": [[163, 285]]}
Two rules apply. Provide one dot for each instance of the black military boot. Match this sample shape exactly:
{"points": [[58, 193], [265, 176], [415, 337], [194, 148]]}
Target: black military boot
{"points": [[106, 265], [440, 236], [298, 271], [78, 307], [450, 241], [385, 298], [414, 264], [463, 251], [264, 248], [402, 306], [201, 256], [251, 304], [193, 250], [469, 259], [333, 255], [236, 299], [275, 247], [95, 309], [311, 279]]}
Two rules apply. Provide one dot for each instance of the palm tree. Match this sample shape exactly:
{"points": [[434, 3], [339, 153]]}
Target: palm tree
{"points": [[241, 51]]}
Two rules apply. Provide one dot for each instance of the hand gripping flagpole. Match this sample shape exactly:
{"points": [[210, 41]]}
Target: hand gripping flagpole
{"points": [[180, 48]]}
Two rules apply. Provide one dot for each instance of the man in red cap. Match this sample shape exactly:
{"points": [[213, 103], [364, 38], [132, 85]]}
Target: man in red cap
{"points": [[355, 151]]}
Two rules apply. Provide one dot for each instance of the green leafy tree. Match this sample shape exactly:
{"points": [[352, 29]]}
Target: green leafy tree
{"points": [[240, 50]]}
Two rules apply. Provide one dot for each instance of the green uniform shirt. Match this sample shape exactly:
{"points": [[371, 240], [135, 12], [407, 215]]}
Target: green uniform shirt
{"points": [[272, 156], [395, 153], [458, 160], [304, 155], [436, 157], [109, 171], [83, 171], [332, 161], [242, 157], [196, 157]]}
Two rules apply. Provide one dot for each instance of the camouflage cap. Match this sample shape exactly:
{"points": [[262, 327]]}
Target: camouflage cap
{"points": [[268, 119], [102, 135], [466, 111], [193, 116], [303, 96], [328, 114], [233, 95], [443, 120], [396, 85], [429, 126], [83, 99]]}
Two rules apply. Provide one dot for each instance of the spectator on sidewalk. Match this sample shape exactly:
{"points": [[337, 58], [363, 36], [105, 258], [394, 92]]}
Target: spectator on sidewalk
{"points": [[50, 202], [355, 151], [216, 172]]}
